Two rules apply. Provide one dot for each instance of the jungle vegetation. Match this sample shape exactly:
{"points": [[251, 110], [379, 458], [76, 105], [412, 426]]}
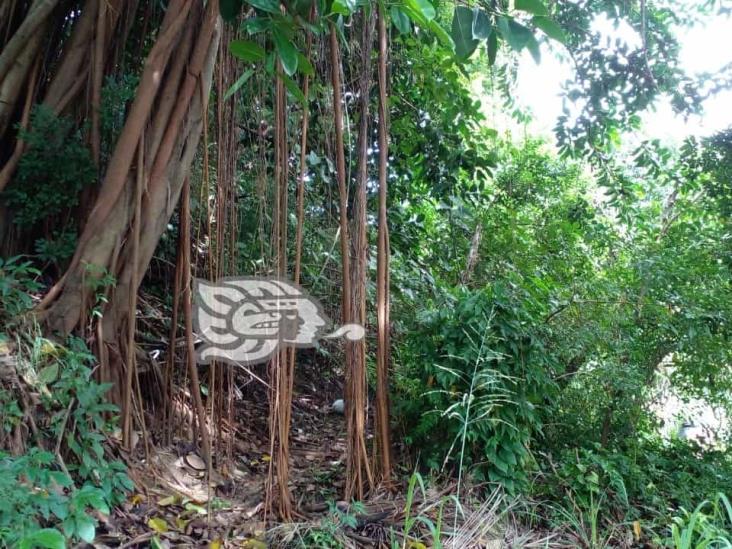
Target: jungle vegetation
{"points": [[532, 302]]}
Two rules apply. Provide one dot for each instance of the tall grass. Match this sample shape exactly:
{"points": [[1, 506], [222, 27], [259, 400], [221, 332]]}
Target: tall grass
{"points": [[708, 526], [485, 392], [584, 524]]}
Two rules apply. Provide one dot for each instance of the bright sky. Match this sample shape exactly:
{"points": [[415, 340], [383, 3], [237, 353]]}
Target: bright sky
{"points": [[706, 47]]}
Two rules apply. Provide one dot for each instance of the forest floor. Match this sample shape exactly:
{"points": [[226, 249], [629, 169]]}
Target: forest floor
{"points": [[178, 502], [178, 507]]}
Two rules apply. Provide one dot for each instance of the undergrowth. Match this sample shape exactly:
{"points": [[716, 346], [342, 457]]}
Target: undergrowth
{"points": [[53, 487]]}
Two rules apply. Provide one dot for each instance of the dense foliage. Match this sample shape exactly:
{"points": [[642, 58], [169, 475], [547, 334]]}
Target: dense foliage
{"points": [[53, 489], [548, 293]]}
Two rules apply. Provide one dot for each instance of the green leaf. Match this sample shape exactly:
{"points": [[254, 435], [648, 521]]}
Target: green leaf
{"points": [[502, 465], [85, 528], [550, 28], [229, 9], [195, 508], [441, 34], [293, 88], [48, 538], [423, 7], [285, 51], [535, 7], [48, 374], [246, 50], [514, 33], [270, 6], [256, 25], [269, 64], [462, 32], [400, 20], [414, 15], [492, 48], [343, 7], [481, 26], [304, 64], [533, 46], [236, 86]]}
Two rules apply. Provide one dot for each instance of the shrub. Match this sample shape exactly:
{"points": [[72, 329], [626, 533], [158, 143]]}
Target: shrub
{"points": [[48, 493], [57, 249], [17, 282], [652, 480], [481, 358], [54, 169]]}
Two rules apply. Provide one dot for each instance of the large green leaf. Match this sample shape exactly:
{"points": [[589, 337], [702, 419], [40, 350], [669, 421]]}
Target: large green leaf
{"points": [[86, 528], [550, 28], [47, 538], [343, 7], [285, 51], [534, 7], [481, 26], [304, 64], [423, 7], [533, 46], [246, 50], [441, 35], [492, 48], [516, 35], [270, 6], [462, 32], [255, 25], [400, 20]]}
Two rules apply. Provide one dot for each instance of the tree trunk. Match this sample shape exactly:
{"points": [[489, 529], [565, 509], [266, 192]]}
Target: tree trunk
{"points": [[383, 433], [171, 139], [357, 402]]}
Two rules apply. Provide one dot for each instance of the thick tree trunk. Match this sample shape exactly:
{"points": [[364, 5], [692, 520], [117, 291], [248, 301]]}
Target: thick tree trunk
{"points": [[69, 73], [31, 26], [171, 140]]}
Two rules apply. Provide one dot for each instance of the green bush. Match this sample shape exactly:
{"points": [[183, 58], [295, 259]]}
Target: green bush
{"points": [[17, 282], [480, 357], [651, 480], [54, 169], [57, 249], [48, 496]]}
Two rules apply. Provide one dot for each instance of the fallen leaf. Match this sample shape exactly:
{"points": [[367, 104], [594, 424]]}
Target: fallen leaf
{"points": [[197, 508], [215, 544], [158, 525], [170, 500], [137, 499], [254, 544], [181, 523]]}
